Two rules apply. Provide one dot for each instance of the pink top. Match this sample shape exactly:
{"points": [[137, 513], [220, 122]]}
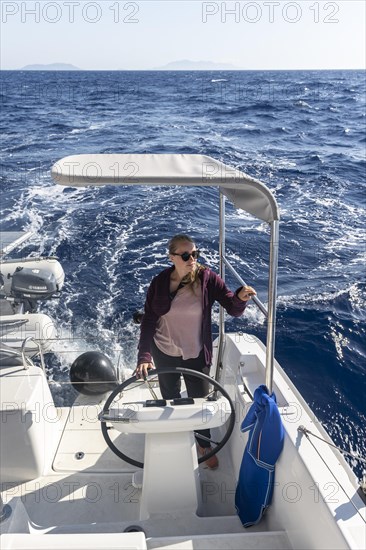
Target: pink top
{"points": [[179, 332]]}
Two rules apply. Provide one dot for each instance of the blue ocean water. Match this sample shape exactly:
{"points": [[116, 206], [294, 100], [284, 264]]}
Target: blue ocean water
{"points": [[302, 133]]}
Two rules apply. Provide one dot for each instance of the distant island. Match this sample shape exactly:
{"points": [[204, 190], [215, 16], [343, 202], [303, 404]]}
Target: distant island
{"points": [[181, 65], [51, 67]]}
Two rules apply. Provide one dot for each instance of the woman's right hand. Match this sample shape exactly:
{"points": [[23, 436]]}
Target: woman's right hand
{"points": [[141, 370]]}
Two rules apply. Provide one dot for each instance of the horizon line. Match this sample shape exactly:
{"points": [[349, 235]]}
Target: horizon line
{"points": [[181, 70]]}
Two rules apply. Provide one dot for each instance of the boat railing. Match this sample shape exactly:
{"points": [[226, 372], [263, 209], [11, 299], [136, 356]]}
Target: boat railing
{"points": [[255, 300], [20, 353], [270, 314], [224, 262], [26, 360]]}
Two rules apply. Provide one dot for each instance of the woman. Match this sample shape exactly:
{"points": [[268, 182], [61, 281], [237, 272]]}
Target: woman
{"points": [[176, 326]]}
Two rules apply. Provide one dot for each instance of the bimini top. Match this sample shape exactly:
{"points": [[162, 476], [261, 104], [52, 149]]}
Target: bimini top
{"points": [[243, 191]]}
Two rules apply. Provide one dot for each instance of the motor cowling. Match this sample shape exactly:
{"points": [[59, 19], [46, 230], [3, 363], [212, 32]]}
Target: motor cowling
{"points": [[33, 284], [92, 373]]}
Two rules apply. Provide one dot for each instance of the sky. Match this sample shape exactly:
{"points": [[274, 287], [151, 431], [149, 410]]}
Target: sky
{"points": [[143, 35]]}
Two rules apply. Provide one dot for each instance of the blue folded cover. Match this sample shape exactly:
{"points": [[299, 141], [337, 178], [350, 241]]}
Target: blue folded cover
{"points": [[265, 443]]}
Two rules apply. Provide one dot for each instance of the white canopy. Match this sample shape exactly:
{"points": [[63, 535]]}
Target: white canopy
{"points": [[244, 192]]}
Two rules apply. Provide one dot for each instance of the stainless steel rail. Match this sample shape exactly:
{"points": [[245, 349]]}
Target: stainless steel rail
{"points": [[270, 313], [222, 275], [26, 361], [272, 296], [256, 300]]}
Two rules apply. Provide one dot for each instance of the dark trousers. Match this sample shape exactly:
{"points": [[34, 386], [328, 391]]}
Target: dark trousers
{"points": [[170, 384]]}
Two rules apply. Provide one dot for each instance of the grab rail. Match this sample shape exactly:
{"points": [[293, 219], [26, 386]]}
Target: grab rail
{"points": [[269, 313], [224, 262], [26, 360], [256, 300], [222, 243]]}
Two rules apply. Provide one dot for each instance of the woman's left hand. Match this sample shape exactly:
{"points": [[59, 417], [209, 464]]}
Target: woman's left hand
{"points": [[246, 293]]}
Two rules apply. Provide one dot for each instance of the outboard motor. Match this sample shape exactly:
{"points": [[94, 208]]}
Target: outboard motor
{"points": [[92, 373], [31, 285], [5, 305]]}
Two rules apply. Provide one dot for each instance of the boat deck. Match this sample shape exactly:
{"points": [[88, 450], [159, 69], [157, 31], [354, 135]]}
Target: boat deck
{"points": [[98, 488], [96, 494], [90, 498], [138, 541]]}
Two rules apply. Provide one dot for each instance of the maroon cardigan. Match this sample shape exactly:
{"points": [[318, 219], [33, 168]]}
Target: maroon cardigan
{"points": [[158, 303]]}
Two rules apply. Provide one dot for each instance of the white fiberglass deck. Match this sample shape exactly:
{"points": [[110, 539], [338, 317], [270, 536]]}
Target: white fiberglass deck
{"points": [[96, 495], [87, 491]]}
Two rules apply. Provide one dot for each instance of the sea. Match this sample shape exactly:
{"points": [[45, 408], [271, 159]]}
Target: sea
{"points": [[302, 133]]}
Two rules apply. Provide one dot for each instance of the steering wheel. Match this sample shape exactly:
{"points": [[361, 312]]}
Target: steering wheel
{"points": [[153, 372]]}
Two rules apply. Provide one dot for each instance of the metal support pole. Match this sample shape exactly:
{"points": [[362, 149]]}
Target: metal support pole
{"points": [[222, 251], [222, 275], [272, 295]]}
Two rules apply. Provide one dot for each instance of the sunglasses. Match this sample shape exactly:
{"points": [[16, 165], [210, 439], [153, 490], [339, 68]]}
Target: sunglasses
{"points": [[186, 255]]}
